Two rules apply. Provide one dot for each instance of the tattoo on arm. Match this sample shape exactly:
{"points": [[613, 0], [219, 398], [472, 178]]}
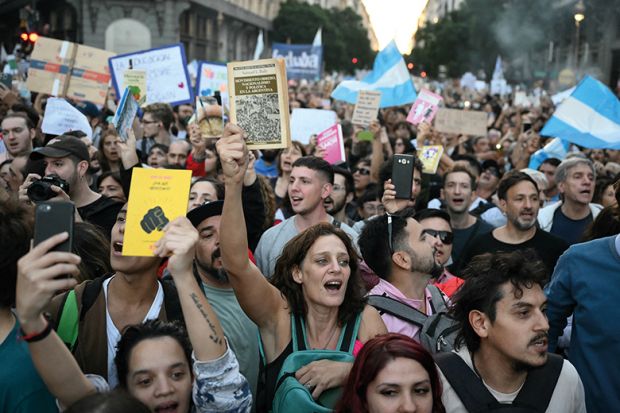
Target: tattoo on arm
{"points": [[213, 336]]}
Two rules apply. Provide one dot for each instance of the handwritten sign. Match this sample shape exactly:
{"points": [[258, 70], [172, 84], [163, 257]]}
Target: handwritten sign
{"points": [[308, 122], [60, 117], [212, 77], [167, 77], [366, 108], [332, 141], [467, 122], [424, 108]]}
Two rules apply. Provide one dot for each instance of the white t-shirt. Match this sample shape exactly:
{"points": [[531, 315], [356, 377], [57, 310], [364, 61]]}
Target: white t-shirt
{"points": [[114, 335], [568, 396]]}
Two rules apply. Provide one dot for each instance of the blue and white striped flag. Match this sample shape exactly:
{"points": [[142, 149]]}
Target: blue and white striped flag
{"points": [[389, 76], [590, 117]]}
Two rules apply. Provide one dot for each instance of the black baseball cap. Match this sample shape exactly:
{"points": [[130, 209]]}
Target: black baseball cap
{"points": [[204, 211], [60, 147]]}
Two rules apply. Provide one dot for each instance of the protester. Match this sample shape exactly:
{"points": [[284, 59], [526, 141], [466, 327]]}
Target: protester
{"points": [[18, 133], [157, 156], [177, 154], [326, 283], [94, 250], [501, 354], [392, 373], [604, 194], [286, 159], [342, 194], [109, 153], [548, 167], [155, 122], [109, 184]]}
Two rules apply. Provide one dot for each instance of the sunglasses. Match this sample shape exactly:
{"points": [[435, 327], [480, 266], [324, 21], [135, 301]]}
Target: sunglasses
{"points": [[445, 237], [361, 171]]}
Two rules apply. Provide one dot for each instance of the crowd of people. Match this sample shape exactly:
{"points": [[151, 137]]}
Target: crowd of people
{"points": [[295, 285]]}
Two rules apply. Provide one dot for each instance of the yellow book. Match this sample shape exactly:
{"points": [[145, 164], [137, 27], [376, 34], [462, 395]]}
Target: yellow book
{"points": [[157, 197], [430, 157]]}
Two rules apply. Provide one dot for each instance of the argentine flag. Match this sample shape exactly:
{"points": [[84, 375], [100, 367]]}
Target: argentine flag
{"points": [[389, 76], [590, 117]]}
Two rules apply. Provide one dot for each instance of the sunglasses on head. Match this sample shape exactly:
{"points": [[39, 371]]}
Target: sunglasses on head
{"points": [[362, 171], [445, 237]]}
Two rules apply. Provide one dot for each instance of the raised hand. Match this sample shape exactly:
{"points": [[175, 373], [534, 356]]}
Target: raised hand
{"points": [[233, 153]]}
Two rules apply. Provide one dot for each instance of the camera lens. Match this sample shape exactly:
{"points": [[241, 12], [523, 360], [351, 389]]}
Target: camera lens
{"points": [[39, 191]]}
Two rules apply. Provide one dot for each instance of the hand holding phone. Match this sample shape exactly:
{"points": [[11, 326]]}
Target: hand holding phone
{"points": [[53, 218]]}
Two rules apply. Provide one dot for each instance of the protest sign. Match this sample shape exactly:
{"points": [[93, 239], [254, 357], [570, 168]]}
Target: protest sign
{"points": [[167, 79], [75, 71], [125, 114], [60, 117], [259, 102], [424, 107], [465, 122], [212, 77], [366, 108], [332, 141], [303, 61], [521, 100], [430, 157], [135, 80], [308, 122], [157, 197]]}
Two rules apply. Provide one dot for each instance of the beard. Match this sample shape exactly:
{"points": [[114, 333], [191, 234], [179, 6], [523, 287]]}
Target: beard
{"points": [[520, 224], [217, 274]]}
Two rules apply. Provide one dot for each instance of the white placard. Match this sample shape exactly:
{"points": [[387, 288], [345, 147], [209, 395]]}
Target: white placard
{"points": [[60, 117], [212, 77], [307, 122], [167, 77]]}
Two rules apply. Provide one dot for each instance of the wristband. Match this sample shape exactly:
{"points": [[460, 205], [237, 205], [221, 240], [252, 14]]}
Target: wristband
{"points": [[33, 337]]}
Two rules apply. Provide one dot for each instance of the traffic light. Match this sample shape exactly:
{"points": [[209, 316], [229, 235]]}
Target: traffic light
{"points": [[28, 40]]}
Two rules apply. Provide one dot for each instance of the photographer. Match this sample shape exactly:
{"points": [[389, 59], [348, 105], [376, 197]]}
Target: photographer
{"points": [[66, 161]]}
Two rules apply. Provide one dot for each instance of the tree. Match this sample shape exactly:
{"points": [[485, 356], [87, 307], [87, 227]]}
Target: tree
{"points": [[344, 36]]}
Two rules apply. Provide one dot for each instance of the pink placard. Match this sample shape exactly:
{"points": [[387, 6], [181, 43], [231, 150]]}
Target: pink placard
{"points": [[424, 107], [331, 140]]}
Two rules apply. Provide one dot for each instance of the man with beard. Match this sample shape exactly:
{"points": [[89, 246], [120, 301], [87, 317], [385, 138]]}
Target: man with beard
{"points": [[241, 332], [500, 354], [518, 199], [266, 165], [67, 157], [342, 193], [402, 254]]}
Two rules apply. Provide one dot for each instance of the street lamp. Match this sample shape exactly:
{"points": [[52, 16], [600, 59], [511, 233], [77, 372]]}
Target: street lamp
{"points": [[578, 14]]}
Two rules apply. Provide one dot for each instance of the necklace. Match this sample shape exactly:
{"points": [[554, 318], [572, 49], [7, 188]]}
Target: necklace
{"points": [[331, 336]]}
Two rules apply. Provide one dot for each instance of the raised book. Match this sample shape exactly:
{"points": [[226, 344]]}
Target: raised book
{"points": [[259, 102]]}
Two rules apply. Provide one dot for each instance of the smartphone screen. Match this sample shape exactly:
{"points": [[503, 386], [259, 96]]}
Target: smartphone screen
{"points": [[52, 218]]}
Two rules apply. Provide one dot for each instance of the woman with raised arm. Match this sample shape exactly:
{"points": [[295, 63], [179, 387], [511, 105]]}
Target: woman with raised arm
{"points": [[315, 282], [154, 360]]}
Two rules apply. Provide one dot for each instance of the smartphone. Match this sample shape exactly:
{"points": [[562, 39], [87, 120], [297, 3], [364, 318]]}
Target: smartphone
{"points": [[7, 80], [52, 218], [402, 175]]}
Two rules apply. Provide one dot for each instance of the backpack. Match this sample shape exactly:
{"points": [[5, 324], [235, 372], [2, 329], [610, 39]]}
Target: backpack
{"points": [[70, 317], [437, 331], [289, 393], [534, 396]]}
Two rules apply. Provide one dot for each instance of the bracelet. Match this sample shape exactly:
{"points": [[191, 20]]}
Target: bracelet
{"points": [[33, 337]]}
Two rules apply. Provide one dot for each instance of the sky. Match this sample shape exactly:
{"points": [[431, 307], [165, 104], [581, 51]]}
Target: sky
{"points": [[395, 19]]}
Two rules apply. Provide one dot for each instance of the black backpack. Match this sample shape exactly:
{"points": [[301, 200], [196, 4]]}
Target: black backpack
{"points": [[437, 331], [534, 396]]}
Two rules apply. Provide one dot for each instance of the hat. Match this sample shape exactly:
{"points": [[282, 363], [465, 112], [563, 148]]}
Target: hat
{"points": [[490, 163], [87, 108], [204, 211], [60, 147]]}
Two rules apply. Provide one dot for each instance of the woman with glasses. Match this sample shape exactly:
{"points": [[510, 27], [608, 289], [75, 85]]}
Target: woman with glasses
{"points": [[315, 286], [361, 177]]}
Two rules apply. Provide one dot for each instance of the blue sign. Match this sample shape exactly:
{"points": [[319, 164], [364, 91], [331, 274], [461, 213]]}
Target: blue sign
{"points": [[303, 61]]}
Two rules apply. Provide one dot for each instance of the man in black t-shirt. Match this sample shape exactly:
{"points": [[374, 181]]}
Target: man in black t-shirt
{"points": [[68, 158], [518, 198]]}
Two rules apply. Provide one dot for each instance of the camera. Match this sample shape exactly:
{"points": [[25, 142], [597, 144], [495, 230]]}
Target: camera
{"points": [[41, 190]]}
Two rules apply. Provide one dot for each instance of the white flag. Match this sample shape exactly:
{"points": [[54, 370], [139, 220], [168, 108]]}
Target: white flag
{"points": [[260, 45], [318, 38], [498, 72]]}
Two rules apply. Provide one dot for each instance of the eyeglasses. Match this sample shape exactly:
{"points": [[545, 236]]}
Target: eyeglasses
{"points": [[361, 171], [445, 237]]}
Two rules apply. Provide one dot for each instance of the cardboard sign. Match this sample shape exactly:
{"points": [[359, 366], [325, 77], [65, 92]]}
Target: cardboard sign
{"points": [[167, 79], [332, 141], [430, 157], [465, 122], [212, 77], [60, 117], [308, 122], [125, 114], [424, 108], [61, 68], [366, 108], [135, 80], [157, 197]]}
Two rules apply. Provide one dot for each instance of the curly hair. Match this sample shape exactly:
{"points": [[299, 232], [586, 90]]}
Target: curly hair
{"points": [[485, 275], [292, 257], [373, 358]]}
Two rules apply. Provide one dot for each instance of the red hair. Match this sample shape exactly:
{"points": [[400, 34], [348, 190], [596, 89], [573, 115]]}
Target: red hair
{"points": [[373, 357]]}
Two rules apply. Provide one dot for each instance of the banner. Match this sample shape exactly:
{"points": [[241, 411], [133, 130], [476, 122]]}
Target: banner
{"points": [[303, 61], [467, 122], [167, 77]]}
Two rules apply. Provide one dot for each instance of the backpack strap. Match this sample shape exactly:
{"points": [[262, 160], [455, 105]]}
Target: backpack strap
{"points": [[438, 303], [540, 383], [349, 335], [397, 309], [298, 335], [172, 304], [473, 394], [346, 342]]}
